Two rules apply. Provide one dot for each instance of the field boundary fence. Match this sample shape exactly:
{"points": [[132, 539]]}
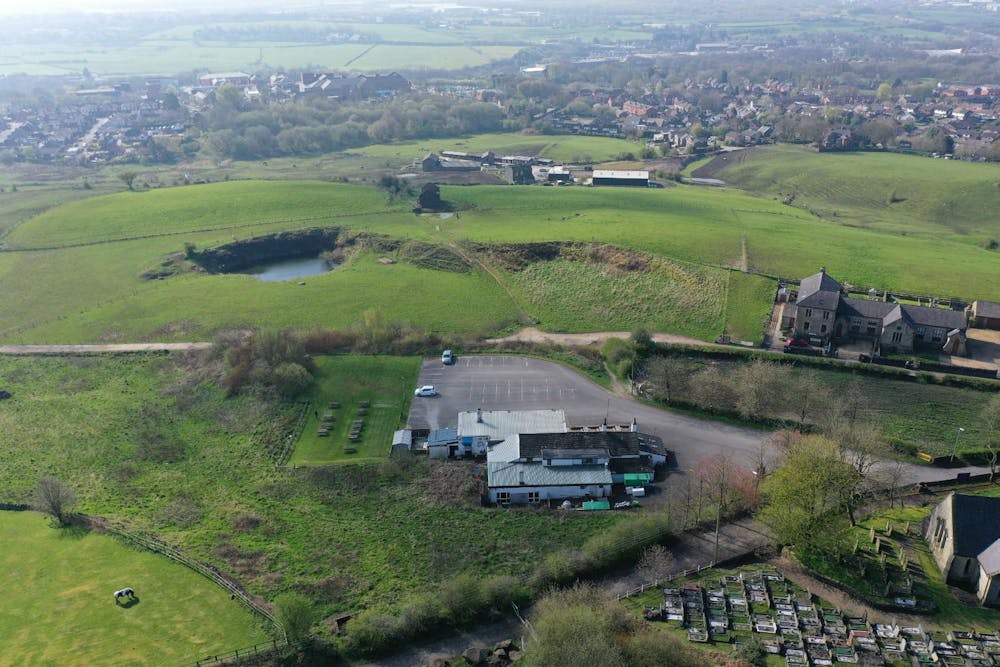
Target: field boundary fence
{"points": [[249, 654], [285, 451], [206, 570]]}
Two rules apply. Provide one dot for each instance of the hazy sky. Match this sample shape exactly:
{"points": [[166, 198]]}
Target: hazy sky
{"points": [[9, 7]]}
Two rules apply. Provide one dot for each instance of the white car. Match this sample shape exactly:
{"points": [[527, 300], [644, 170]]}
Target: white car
{"points": [[426, 390]]}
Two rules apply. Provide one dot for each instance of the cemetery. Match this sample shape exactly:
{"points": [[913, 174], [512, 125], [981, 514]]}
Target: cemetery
{"points": [[793, 624]]}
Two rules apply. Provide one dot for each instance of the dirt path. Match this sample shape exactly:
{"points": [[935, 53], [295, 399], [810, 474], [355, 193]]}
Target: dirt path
{"points": [[101, 349], [476, 261], [849, 605], [534, 335]]}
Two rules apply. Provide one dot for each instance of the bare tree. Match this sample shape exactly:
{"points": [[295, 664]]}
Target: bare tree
{"points": [[55, 497], [760, 388], [991, 426], [656, 564], [809, 399], [711, 390], [667, 377]]}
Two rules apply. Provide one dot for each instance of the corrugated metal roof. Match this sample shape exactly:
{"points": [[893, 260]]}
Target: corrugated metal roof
{"points": [[620, 173], [534, 474], [403, 436], [442, 436], [504, 452], [498, 424]]}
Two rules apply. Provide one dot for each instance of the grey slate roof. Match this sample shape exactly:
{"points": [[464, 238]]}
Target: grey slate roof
{"points": [[938, 318], [616, 443], [976, 524], [989, 560], [819, 291], [989, 309], [592, 453], [872, 310], [533, 474]]}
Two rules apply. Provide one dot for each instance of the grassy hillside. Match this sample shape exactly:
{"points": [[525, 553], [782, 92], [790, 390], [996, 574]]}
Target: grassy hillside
{"points": [[87, 287], [886, 192], [58, 607]]}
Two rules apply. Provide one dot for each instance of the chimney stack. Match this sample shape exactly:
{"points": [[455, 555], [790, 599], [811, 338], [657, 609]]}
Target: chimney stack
{"points": [[479, 415], [635, 426], [604, 426]]}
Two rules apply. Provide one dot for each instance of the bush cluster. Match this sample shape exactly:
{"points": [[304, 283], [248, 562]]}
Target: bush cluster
{"points": [[454, 603], [465, 599]]}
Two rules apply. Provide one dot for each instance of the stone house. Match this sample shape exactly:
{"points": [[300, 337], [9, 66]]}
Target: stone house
{"points": [[824, 309]]}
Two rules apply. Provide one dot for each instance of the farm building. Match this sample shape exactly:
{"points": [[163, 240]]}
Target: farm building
{"points": [[964, 536], [822, 308], [442, 443], [624, 178], [533, 467], [986, 315]]}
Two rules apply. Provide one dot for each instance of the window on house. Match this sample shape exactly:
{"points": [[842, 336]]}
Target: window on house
{"points": [[822, 328], [534, 496], [856, 324], [936, 335], [943, 538], [919, 332], [809, 312], [826, 314], [589, 462], [897, 336], [503, 497], [872, 329], [805, 326]]}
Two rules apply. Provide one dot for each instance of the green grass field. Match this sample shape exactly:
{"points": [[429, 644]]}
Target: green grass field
{"points": [[58, 607], [348, 535], [94, 292], [385, 383]]}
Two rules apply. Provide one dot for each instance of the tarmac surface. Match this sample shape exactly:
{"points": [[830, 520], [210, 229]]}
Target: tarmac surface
{"points": [[504, 382]]}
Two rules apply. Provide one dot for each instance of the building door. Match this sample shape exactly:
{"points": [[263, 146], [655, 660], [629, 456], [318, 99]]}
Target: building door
{"points": [[840, 330]]}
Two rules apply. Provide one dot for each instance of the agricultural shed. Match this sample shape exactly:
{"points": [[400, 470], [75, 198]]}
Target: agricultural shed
{"points": [[442, 443], [620, 177], [986, 315]]}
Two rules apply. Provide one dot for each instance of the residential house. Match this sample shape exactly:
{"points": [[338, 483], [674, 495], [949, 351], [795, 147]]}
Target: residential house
{"points": [[823, 308], [964, 535], [986, 314]]}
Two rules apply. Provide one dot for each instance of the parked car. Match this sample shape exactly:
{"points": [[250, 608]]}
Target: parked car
{"points": [[426, 390], [447, 358]]}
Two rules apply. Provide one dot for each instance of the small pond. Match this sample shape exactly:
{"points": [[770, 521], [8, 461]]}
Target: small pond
{"points": [[289, 269]]}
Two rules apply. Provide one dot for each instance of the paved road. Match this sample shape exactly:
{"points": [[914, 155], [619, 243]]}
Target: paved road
{"points": [[502, 382], [100, 349]]}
